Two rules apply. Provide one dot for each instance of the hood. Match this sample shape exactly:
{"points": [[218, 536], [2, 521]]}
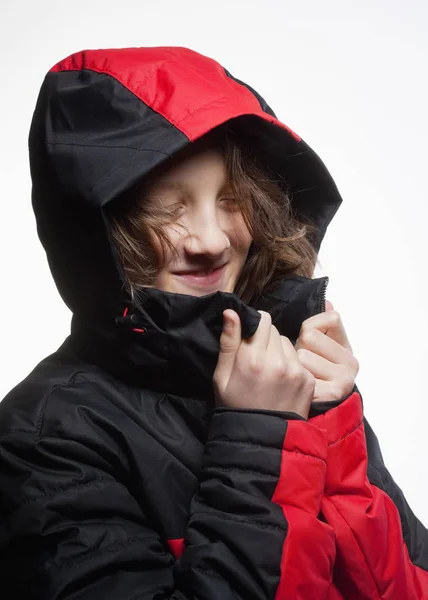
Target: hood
{"points": [[106, 118]]}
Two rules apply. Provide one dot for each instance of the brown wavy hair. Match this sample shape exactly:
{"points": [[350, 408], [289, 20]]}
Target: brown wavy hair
{"points": [[282, 241]]}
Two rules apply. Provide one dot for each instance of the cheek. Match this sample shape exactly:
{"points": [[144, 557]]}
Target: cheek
{"points": [[239, 236], [174, 235]]}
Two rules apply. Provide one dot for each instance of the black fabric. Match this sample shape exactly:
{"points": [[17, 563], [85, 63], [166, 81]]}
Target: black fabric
{"points": [[182, 334], [112, 447], [97, 474], [319, 408], [91, 139], [414, 532], [98, 470], [296, 167]]}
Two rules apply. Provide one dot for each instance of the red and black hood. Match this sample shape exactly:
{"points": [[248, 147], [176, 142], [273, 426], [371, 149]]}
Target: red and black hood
{"points": [[105, 118]]}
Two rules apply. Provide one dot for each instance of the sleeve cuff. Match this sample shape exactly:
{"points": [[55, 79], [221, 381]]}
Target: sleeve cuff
{"points": [[341, 420]]}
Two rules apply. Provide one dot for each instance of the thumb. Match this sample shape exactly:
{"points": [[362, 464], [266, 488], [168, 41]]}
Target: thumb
{"points": [[328, 306], [230, 340]]}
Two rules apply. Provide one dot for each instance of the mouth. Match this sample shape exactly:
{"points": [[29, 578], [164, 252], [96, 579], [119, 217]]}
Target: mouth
{"points": [[202, 278]]}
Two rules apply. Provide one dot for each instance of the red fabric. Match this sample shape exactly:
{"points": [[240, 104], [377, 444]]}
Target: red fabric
{"points": [[372, 560], [334, 594], [176, 547], [309, 549], [190, 90]]}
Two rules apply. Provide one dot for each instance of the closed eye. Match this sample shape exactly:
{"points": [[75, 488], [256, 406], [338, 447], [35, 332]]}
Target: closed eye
{"points": [[175, 210], [230, 203]]}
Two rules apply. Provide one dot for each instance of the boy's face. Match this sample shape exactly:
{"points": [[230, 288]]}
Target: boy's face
{"points": [[208, 233]]}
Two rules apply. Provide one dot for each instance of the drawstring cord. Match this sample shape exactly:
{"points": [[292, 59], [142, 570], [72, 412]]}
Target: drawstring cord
{"points": [[129, 318]]}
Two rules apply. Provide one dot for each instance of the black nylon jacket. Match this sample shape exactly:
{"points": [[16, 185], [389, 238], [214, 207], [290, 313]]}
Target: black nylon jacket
{"points": [[119, 479]]}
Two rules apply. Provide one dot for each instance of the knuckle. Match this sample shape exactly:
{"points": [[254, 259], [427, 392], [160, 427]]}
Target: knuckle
{"points": [[335, 318], [274, 330], [255, 367], [349, 382], [266, 317], [227, 347], [302, 353], [355, 365], [295, 372], [279, 370], [308, 336], [217, 385], [286, 341], [309, 381], [303, 328], [337, 392]]}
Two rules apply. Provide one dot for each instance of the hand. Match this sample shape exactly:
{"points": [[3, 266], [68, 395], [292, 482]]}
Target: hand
{"points": [[324, 350], [263, 372]]}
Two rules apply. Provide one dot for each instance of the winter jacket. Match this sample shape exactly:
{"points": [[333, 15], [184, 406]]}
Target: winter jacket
{"points": [[119, 477]]}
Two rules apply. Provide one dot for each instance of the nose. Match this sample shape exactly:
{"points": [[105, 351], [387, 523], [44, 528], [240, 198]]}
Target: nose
{"points": [[205, 236]]}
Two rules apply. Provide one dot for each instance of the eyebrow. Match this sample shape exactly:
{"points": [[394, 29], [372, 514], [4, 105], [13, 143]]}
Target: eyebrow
{"points": [[182, 187], [175, 185]]}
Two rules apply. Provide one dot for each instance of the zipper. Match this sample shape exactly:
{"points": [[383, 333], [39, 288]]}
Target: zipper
{"points": [[324, 293]]}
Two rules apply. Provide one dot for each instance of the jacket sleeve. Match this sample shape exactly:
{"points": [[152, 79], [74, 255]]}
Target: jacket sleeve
{"points": [[72, 528], [382, 548]]}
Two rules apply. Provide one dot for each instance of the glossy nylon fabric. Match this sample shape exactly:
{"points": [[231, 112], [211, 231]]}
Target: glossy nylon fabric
{"points": [[118, 476], [104, 119]]}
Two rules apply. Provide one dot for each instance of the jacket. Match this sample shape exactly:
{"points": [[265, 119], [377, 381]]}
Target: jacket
{"points": [[119, 477]]}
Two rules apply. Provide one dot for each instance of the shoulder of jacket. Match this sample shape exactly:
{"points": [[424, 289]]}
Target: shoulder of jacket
{"points": [[47, 395]]}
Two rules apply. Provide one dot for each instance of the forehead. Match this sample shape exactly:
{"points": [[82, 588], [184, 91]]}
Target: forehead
{"points": [[201, 167]]}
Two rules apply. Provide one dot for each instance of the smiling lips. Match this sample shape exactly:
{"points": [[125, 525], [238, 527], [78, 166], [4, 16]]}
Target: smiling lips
{"points": [[202, 277]]}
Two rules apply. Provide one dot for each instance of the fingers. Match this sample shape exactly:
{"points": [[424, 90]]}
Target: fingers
{"points": [[332, 381], [253, 351], [230, 341], [314, 340], [328, 306], [292, 358], [275, 354], [329, 323], [317, 365], [288, 349], [260, 340], [325, 392]]}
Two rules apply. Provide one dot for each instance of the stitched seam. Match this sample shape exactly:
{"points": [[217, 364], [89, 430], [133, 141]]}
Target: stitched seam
{"points": [[304, 455], [240, 443], [163, 588], [64, 562], [347, 435], [105, 146], [239, 470], [40, 418], [18, 430], [399, 514], [212, 574], [69, 383], [59, 490], [117, 78], [183, 118], [238, 520], [375, 585], [120, 165]]}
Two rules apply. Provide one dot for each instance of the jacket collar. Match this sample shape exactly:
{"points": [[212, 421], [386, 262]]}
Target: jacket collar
{"points": [[171, 343]]}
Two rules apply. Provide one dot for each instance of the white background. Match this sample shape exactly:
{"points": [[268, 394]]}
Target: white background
{"points": [[351, 79]]}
